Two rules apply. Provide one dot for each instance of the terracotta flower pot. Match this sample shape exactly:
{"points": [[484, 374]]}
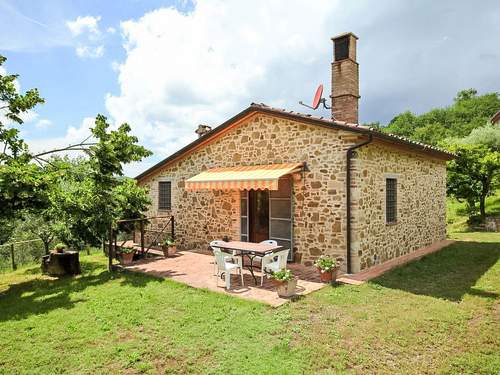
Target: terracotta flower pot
{"points": [[126, 258], [286, 288], [169, 250], [329, 276]]}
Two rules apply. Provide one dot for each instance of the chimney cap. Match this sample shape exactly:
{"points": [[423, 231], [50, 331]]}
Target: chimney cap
{"points": [[344, 35]]}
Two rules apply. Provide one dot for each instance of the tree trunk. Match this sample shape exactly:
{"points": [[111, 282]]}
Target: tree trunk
{"points": [[46, 246], [482, 208], [482, 199]]}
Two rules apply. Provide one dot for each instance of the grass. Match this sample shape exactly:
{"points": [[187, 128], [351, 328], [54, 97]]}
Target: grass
{"points": [[438, 315]]}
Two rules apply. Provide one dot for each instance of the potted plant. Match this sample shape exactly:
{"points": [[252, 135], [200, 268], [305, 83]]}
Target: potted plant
{"points": [[168, 246], [59, 248], [126, 255], [286, 281], [327, 268]]}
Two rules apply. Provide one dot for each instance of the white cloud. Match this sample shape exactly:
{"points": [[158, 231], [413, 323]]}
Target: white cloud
{"points": [[88, 36], [182, 69], [73, 135], [43, 124], [185, 69], [90, 52], [111, 30], [81, 25]]}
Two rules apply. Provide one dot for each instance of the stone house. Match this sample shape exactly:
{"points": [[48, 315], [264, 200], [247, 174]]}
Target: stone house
{"points": [[316, 185]]}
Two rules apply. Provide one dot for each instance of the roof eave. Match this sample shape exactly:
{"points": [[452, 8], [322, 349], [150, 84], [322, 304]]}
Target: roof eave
{"points": [[256, 108]]}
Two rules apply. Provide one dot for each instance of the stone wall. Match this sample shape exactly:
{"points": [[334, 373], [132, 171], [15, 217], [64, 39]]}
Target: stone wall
{"points": [[421, 204], [318, 198]]}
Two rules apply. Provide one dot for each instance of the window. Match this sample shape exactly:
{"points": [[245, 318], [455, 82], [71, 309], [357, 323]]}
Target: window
{"points": [[342, 48], [164, 195], [391, 200]]}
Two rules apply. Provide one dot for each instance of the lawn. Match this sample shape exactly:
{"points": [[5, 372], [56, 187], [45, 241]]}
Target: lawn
{"points": [[437, 315]]}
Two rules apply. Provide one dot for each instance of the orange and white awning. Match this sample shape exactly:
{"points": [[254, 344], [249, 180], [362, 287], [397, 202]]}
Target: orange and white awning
{"points": [[242, 178]]}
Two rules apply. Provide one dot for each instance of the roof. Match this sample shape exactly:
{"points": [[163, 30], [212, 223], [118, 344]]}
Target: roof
{"points": [[495, 118], [310, 119]]}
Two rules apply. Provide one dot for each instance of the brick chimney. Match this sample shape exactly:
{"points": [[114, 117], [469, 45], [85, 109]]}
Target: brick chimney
{"points": [[202, 130], [345, 78]]}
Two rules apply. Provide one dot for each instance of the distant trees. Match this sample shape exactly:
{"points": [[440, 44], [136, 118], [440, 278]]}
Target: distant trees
{"points": [[475, 173], [468, 111], [464, 129]]}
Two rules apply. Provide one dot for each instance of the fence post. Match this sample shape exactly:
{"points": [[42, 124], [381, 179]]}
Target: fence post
{"points": [[14, 267], [142, 236]]}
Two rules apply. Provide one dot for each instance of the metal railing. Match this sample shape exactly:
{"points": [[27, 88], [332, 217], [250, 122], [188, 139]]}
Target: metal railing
{"points": [[112, 243]]}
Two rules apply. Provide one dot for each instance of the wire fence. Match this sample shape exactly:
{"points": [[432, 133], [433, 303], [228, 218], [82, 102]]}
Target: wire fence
{"points": [[18, 253]]}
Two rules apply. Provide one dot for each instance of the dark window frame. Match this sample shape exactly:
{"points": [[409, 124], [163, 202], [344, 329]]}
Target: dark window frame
{"points": [[391, 200], [164, 201]]}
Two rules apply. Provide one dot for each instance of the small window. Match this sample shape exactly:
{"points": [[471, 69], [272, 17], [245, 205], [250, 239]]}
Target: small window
{"points": [[342, 48], [164, 195], [391, 200]]}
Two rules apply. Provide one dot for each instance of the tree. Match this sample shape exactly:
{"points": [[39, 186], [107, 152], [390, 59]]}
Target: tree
{"points": [[475, 173], [92, 194], [41, 225], [107, 157], [22, 184], [468, 111]]}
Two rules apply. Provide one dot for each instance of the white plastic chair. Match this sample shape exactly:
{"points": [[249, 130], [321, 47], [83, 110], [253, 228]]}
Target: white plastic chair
{"points": [[273, 262], [224, 265], [216, 245], [267, 242]]}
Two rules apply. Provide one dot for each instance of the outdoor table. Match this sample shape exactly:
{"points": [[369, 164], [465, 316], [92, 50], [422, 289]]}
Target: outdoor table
{"points": [[251, 250]]}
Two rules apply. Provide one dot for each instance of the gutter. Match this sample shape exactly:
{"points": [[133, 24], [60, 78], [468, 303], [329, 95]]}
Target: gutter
{"points": [[350, 153]]}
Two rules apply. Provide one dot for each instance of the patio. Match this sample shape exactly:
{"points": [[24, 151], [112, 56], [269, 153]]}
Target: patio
{"points": [[196, 269]]}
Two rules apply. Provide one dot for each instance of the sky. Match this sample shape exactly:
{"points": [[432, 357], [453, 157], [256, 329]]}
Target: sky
{"points": [[166, 66]]}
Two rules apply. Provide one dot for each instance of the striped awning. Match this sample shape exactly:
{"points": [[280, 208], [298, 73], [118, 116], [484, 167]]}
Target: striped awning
{"points": [[241, 178]]}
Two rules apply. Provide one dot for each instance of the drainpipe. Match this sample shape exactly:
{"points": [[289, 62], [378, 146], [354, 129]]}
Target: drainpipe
{"points": [[350, 152]]}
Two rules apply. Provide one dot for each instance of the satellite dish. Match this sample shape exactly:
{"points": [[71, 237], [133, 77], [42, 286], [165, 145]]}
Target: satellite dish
{"points": [[317, 100], [317, 96]]}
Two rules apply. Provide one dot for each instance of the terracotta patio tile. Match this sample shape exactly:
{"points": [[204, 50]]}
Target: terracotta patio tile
{"points": [[196, 269]]}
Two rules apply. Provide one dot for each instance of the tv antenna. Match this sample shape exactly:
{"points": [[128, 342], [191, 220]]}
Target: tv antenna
{"points": [[318, 99]]}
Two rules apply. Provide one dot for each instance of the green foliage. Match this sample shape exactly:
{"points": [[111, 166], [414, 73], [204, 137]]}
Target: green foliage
{"points": [[38, 224], [283, 275], [126, 250], [77, 201], [22, 184], [488, 135], [6, 229], [326, 264], [469, 111], [168, 241], [60, 246], [475, 173], [12, 106]]}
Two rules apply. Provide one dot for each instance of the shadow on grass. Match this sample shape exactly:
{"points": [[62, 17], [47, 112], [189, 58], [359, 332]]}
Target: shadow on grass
{"points": [[40, 296], [448, 274]]}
